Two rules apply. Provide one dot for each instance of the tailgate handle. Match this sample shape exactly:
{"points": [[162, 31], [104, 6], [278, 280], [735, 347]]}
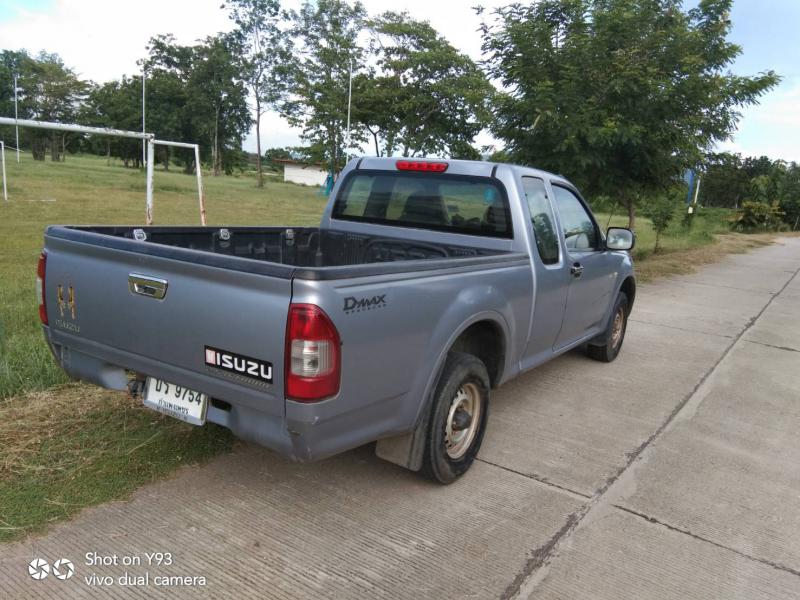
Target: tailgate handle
{"points": [[152, 287]]}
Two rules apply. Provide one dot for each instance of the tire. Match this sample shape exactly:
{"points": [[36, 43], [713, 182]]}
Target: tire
{"points": [[450, 452], [612, 338]]}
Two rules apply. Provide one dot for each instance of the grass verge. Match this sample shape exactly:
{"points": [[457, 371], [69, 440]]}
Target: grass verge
{"points": [[76, 446]]}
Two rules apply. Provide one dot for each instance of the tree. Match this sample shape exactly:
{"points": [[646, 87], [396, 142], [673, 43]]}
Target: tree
{"points": [[660, 210], [195, 93], [425, 97], [51, 92], [725, 182], [11, 63], [266, 52], [790, 195], [327, 32], [619, 95], [116, 104]]}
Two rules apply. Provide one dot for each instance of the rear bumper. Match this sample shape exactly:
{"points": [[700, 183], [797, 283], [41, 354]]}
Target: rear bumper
{"points": [[302, 432]]}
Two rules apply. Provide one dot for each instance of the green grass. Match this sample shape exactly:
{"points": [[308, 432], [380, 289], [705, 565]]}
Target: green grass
{"points": [[707, 224], [83, 190], [78, 446]]}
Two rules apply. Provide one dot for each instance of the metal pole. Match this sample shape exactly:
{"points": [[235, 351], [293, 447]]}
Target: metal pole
{"points": [[16, 117], [75, 128], [150, 158], [200, 185], [3, 152], [349, 100], [144, 77]]}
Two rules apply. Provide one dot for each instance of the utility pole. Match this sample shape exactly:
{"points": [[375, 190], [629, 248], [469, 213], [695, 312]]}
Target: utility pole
{"points": [[696, 191], [349, 101], [16, 115], [144, 142]]}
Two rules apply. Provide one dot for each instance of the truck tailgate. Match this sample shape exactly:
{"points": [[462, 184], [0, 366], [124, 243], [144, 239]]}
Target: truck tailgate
{"points": [[205, 310]]}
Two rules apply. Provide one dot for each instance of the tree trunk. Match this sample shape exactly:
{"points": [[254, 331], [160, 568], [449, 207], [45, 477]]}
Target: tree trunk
{"points": [[658, 243], [258, 143], [38, 145], [63, 148], [630, 206], [108, 153], [377, 148], [54, 151]]}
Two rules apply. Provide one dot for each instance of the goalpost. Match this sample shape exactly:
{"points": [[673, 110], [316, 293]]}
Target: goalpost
{"points": [[149, 138]]}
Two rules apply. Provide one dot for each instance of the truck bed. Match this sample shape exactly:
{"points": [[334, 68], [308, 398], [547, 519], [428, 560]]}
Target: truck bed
{"points": [[299, 252]]}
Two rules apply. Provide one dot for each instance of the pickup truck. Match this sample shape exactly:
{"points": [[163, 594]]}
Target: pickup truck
{"points": [[427, 284]]}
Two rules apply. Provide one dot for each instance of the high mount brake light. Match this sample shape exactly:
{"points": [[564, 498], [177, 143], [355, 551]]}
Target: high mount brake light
{"points": [[313, 354], [40, 272], [421, 165]]}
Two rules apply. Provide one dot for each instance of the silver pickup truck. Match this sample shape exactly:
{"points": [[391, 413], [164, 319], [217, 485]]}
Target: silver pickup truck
{"points": [[427, 284]]}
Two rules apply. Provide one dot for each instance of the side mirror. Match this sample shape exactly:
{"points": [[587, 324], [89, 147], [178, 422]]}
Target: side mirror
{"points": [[619, 238]]}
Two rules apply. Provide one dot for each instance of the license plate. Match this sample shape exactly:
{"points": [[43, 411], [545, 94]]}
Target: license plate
{"points": [[175, 401]]}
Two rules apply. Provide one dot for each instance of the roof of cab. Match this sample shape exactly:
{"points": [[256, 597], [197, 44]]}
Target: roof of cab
{"points": [[476, 168]]}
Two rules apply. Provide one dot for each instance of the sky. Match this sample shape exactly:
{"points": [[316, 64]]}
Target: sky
{"points": [[103, 39]]}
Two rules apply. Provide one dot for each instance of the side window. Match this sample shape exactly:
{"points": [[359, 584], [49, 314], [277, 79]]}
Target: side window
{"points": [[544, 228], [579, 230]]}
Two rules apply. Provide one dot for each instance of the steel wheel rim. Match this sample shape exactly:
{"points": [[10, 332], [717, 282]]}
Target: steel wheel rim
{"points": [[458, 441], [617, 326]]}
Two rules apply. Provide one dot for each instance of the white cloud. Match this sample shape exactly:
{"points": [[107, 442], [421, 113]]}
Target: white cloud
{"points": [[102, 40], [771, 128]]}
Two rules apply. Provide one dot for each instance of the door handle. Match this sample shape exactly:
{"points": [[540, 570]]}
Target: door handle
{"points": [[576, 270], [144, 285]]}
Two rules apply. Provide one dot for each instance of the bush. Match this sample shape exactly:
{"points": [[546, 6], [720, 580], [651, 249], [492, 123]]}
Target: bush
{"points": [[660, 210], [758, 216]]}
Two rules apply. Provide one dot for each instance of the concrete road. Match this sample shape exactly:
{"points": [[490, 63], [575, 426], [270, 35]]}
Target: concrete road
{"points": [[672, 473]]}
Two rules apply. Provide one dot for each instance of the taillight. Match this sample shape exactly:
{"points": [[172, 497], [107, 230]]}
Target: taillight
{"points": [[421, 165], [313, 354], [40, 271]]}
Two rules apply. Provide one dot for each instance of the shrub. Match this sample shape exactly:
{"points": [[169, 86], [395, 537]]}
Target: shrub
{"points": [[758, 216], [660, 210]]}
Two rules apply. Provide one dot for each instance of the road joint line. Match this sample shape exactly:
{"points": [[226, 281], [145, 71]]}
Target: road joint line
{"points": [[686, 532], [531, 574], [786, 348], [539, 479]]}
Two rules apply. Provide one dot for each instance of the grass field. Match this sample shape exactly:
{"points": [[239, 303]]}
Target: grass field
{"points": [[66, 446], [83, 190]]}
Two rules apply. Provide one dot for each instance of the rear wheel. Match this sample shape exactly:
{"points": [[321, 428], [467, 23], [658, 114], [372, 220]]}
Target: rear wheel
{"points": [[458, 418], [614, 335]]}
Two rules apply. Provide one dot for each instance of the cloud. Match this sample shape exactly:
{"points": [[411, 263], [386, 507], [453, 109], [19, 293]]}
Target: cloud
{"points": [[771, 128], [103, 40]]}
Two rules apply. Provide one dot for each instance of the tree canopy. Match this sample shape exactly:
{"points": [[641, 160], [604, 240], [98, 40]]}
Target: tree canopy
{"points": [[619, 95], [423, 97]]}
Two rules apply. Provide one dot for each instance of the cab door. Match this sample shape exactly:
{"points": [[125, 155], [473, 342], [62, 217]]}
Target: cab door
{"points": [[549, 270], [590, 268]]}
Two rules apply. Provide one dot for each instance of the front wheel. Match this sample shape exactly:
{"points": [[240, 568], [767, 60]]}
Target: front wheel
{"points": [[458, 418], [611, 340]]}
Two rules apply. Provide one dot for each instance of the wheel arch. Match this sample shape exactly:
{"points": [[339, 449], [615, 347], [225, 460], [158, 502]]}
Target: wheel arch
{"points": [[629, 287], [488, 327]]}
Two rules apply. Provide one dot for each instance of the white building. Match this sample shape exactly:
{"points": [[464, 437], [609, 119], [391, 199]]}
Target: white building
{"points": [[304, 173]]}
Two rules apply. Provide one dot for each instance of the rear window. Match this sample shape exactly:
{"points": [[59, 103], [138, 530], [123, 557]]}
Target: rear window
{"points": [[453, 203]]}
